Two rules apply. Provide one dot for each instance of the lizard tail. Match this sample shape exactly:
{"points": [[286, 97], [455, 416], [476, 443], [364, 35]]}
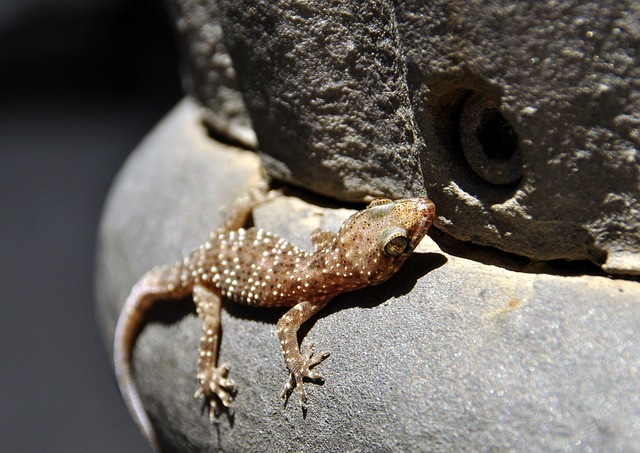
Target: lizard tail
{"points": [[127, 331], [159, 283]]}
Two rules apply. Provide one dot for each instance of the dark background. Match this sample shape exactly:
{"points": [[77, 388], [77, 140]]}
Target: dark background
{"points": [[81, 82]]}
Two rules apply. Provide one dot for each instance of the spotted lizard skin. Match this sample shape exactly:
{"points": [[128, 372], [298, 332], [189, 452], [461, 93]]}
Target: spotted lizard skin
{"points": [[257, 268]]}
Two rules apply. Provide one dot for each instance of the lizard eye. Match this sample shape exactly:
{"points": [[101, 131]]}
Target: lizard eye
{"points": [[379, 202], [394, 241]]}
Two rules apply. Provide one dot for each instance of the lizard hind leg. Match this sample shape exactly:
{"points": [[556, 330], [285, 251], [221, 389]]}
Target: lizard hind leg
{"points": [[238, 213], [213, 381]]}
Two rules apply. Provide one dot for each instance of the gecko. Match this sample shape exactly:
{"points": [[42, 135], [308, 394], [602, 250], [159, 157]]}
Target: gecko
{"points": [[258, 268]]}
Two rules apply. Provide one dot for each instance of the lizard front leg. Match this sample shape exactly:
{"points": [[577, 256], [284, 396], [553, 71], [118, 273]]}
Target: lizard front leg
{"points": [[299, 365], [213, 382]]}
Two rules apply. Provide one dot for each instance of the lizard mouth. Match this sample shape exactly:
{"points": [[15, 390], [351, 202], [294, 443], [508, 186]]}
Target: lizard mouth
{"points": [[425, 214], [428, 210]]}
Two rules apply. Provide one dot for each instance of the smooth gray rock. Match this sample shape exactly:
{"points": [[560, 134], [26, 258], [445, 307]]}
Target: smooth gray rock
{"points": [[520, 120], [164, 201], [450, 354]]}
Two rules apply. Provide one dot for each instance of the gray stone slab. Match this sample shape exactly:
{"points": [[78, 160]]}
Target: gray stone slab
{"points": [[450, 354]]}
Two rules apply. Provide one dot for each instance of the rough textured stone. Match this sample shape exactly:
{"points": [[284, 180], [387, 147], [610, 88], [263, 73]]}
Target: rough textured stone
{"points": [[451, 354], [208, 73], [520, 119], [549, 89], [325, 85]]}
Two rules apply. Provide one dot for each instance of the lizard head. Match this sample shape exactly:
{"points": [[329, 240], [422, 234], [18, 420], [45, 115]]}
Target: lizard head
{"points": [[376, 241]]}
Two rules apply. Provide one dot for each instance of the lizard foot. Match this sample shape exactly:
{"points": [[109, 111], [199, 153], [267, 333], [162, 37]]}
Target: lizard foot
{"points": [[309, 360], [217, 389]]}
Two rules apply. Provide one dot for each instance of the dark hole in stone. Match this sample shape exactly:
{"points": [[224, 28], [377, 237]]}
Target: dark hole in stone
{"points": [[489, 143], [496, 136]]}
